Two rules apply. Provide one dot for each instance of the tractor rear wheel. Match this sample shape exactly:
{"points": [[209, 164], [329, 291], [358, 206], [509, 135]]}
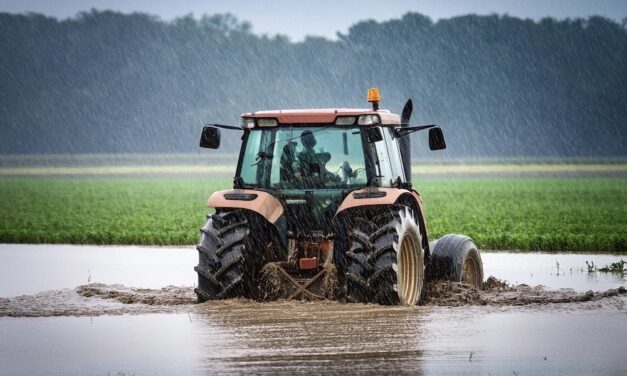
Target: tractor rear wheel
{"points": [[230, 255], [456, 258], [384, 262]]}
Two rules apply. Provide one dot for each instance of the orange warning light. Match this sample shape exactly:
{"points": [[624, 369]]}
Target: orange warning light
{"points": [[373, 95]]}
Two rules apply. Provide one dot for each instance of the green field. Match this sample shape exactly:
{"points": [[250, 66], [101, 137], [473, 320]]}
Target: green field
{"points": [[529, 214]]}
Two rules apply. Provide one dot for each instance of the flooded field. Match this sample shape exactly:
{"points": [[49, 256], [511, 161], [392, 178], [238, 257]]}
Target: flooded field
{"points": [[106, 310]]}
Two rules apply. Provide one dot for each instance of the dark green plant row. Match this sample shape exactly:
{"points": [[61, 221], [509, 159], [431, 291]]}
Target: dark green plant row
{"points": [[533, 214]]}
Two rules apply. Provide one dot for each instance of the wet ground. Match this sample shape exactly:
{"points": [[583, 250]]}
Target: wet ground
{"points": [[72, 310]]}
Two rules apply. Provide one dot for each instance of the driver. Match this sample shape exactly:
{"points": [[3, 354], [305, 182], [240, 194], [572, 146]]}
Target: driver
{"points": [[311, 163]]}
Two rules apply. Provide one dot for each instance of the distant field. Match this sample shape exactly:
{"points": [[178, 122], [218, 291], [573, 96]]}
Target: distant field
{"points": [[529, 214], [227, 170], [216, 164]]}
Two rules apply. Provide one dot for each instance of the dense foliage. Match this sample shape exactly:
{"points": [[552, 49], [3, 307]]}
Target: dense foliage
{"points": [[534, 214], [500, 86]]}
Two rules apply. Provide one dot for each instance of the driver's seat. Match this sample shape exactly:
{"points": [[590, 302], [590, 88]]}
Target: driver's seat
{"points": [[286, 170]]}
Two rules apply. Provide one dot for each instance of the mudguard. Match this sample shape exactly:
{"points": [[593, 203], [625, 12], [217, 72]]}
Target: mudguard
{"points": [[262, 203], [385, 196]]}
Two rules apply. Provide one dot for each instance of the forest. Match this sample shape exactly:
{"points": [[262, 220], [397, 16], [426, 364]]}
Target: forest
{"points": [[499, 86]]}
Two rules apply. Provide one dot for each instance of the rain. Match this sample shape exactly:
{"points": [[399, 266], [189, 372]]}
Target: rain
{"points": [[488, 237]]}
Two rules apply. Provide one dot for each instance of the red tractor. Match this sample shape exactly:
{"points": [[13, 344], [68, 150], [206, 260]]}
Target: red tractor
{"points": [[326, 191]]}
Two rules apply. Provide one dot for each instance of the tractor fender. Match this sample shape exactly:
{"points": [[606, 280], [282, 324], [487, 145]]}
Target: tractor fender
{"points": [[386, 196], [377, 196], [262, 203]]}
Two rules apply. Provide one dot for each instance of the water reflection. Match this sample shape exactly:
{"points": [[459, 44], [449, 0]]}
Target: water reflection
{"points": [[313, 337], [293, 337]]}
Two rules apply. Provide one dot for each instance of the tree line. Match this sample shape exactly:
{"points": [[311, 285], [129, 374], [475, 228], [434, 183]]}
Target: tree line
{"points": [[499, 86]]}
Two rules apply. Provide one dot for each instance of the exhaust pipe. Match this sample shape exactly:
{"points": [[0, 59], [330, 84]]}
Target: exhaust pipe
{"points": [[405, 141]]}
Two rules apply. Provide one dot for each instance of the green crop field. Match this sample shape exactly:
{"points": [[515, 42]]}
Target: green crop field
{"points": [[529, 214]]}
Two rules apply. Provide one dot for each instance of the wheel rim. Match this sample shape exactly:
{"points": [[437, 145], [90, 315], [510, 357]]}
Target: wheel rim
{"points": [[409, 283], [469, 272]]}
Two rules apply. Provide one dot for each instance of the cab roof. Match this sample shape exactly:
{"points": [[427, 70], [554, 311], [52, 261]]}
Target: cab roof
{"points": [[321, 116]]}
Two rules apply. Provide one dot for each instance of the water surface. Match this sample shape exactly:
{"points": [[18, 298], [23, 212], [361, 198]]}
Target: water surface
{"points": [[154, 329]]}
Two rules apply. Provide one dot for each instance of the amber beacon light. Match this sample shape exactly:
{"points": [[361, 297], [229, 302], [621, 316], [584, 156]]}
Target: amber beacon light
{"points": [[374, 97]]}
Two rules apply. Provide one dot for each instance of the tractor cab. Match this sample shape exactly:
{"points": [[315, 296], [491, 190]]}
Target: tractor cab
{"points": [[310, 160]]}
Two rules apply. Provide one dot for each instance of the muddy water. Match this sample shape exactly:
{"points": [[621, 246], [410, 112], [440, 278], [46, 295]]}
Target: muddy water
{"points": [[290, 337], [107, 327], [29, 269]]}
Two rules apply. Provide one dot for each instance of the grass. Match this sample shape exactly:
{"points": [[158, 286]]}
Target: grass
{"points": [[103, 211], [530, 214], [615, 267]]}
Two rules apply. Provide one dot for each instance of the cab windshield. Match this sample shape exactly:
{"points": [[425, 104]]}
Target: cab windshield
{"points": [[301, 157]]}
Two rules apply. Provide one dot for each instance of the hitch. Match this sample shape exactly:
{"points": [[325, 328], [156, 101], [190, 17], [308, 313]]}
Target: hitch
{"points": [[279, 280]]}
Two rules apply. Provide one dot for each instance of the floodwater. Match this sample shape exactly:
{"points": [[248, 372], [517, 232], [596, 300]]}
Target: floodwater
{"points": [[137, 317]]}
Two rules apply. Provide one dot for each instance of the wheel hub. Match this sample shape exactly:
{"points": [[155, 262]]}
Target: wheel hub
{"points": [[408, 274], [469, 272]]}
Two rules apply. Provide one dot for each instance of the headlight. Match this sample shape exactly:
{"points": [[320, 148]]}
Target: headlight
{"points": [[267, 122], [368, 120], [345, 120], [248, 123]]}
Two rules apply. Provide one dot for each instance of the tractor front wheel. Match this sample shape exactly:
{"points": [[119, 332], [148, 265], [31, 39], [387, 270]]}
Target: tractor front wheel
{"points": [[456, 258]]}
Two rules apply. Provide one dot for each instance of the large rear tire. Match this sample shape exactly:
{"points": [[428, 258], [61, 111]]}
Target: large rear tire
{"points": [[230, 256], [384, 262], [456, 258]]}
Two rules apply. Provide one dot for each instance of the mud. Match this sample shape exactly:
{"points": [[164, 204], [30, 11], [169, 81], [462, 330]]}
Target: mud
{"points": [[98, 299], [330, 286], [170, 295], [101, 299], [273, 284], [495, 292]]}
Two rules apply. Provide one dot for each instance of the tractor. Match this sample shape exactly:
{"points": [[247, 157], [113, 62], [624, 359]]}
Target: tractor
{"points": [[323, 198]]}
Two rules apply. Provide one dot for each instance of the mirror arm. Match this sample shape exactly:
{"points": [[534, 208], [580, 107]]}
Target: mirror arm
{"points": [[225, 127], [400, 132]]}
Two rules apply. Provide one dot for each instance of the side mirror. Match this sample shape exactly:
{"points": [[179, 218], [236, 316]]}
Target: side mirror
{"points": [[210, 137], [373, 134], [436, 139]]}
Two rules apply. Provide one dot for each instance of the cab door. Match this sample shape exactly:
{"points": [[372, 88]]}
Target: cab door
{"points": [[389, 156]]}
